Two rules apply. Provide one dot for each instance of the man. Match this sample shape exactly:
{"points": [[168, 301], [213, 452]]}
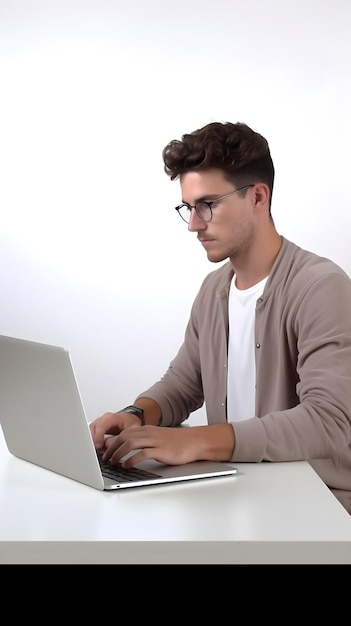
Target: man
{"points": [[268, 344]]}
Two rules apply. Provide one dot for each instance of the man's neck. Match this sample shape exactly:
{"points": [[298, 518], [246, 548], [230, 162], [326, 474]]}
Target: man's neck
{"points": [[257, 263]]}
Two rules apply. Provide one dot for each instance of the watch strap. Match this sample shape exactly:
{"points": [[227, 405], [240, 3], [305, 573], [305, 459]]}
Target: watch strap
{"points": [[135, 410]]}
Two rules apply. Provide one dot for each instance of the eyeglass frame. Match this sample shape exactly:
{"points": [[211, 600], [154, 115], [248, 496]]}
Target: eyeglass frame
{"points": [[209, 204]]}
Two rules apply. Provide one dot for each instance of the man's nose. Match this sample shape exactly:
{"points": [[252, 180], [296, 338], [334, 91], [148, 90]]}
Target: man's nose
{"points": [[195, 222]]}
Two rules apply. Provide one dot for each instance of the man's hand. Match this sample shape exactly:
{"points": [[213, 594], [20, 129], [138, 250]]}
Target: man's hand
{"points": [[172, 446], [111, 424]]}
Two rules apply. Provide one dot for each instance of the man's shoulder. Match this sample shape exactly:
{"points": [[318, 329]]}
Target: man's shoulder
{"points": [[302, 261], [292, 251]]}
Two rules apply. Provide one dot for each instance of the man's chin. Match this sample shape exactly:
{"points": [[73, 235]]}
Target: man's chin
{"points": [[216, 258]]}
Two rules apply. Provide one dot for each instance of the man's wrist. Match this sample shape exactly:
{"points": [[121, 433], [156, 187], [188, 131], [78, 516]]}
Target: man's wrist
{"points": [[134, 410]]}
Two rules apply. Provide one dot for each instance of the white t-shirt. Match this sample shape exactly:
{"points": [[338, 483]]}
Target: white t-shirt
{"points": [[241, 351]]}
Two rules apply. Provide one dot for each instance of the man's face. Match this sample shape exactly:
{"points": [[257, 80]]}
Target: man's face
{"points": [[232, 227]]}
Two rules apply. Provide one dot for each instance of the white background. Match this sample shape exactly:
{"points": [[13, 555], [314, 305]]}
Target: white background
{"points": [[92, 253]]}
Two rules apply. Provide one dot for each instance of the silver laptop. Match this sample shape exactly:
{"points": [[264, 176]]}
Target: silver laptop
{"points": [[44, 422]]}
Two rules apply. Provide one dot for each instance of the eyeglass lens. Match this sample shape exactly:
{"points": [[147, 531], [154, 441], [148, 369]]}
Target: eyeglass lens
{"points": [[202, 209]]}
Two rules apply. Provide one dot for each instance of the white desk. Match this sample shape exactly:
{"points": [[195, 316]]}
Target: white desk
{"points": [[268, 513]]}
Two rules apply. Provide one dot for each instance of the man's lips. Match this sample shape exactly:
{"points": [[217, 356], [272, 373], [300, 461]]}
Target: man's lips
{"points": [[205, 242]]}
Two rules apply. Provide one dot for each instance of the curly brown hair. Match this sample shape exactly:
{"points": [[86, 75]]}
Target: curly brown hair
{"points": [[242, 154]]}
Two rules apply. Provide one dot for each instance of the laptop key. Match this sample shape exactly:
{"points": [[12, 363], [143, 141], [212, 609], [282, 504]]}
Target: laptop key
{"points": [[119, 473]]}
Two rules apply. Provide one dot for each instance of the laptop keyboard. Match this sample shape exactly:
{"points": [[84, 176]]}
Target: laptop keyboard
{"points": [[120, 474]]}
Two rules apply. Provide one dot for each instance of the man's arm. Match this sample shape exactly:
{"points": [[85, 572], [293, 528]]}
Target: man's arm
{"points": [[152, 411]]}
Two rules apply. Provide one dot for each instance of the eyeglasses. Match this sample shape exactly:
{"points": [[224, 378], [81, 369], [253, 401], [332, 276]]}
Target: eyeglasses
{"points": [[204, 209]]}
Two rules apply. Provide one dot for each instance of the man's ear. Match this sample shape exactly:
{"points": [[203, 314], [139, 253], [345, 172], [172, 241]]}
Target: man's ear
{"points": [[261, 194]]}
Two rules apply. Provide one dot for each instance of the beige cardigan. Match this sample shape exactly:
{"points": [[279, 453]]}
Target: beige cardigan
{"points": [[303, 367]]}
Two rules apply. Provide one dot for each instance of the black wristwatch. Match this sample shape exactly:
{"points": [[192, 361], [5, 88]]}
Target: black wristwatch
{"points": [[135, 410]]}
